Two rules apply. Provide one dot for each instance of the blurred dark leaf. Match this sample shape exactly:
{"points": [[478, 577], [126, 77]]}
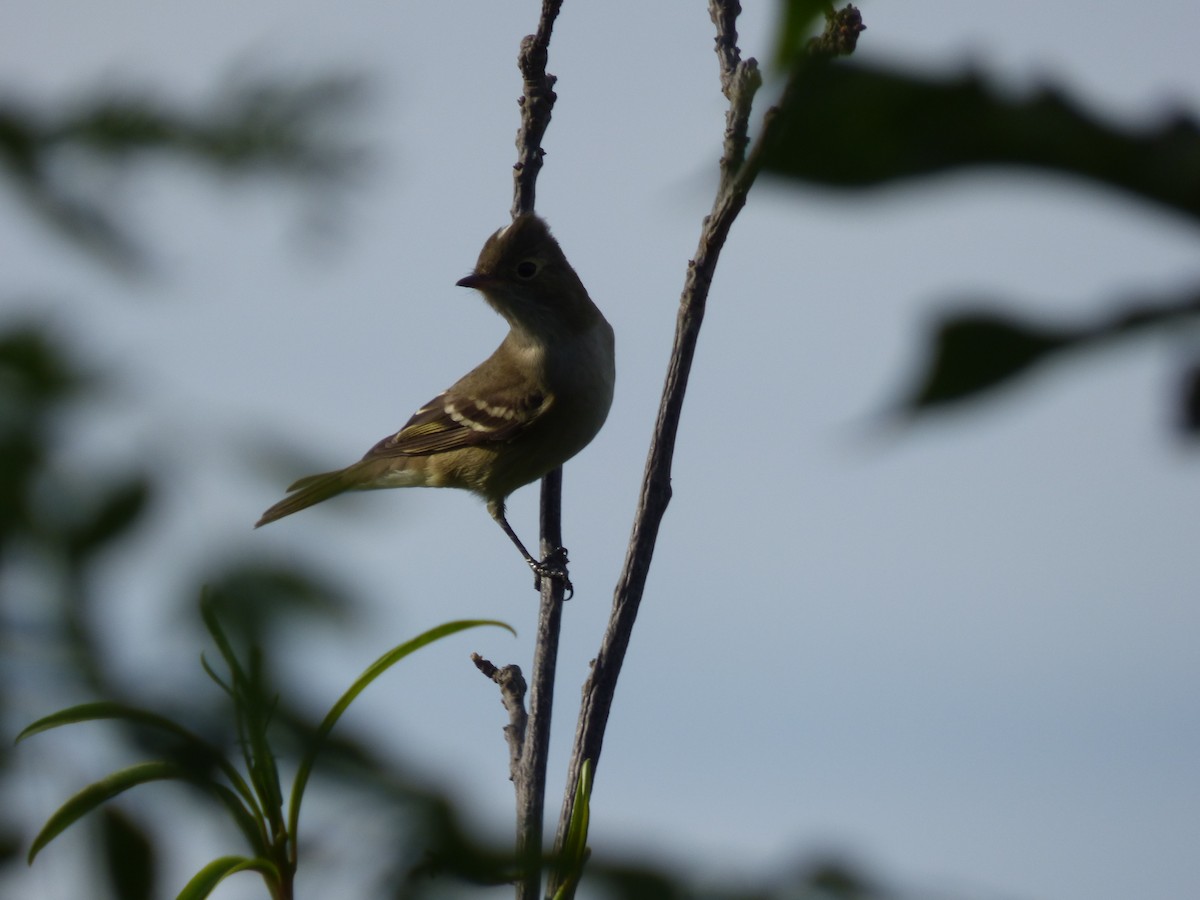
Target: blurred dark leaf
{"points": [[273, 126], [840, 35], [111, 516], [855, 126], [35, 377], [11, 843], [18, 141], [34, 373], [451, 852], [835, 879], [796, 28], [261, 128], [638, 883], [250, 598], [80, 221], [129, 855], [1189, 405], [822, 879], [975, 352]]}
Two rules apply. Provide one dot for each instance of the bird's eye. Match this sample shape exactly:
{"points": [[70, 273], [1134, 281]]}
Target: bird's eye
{"points": [[527, 268]]}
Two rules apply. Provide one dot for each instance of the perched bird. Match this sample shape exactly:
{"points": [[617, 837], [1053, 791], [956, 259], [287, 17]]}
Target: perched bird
{"points": [[534, 403]]}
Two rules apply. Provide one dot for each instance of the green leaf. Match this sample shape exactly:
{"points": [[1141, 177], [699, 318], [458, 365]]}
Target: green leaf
{"points": [[34, 368], [90, 712], [796, 28], [575, 849], [100, 792], [115, 512], [129, 856], [198, 748], [241, 805], [372, 672], [856, 126], [976, 352], [206, 880], [246, 815], [253, 710], [252, 128], [213, 624]]}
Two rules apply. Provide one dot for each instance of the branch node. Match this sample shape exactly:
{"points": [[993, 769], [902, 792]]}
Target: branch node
{"points": [[512, 694], [486, 666], [840, 37]]}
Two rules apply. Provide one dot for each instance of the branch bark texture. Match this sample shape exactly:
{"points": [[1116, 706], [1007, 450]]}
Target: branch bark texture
{"points": [[740, 79], [528, 764]]}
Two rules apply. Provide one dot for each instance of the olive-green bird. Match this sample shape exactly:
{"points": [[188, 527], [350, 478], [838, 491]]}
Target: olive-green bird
{"points": [[534, 403]]}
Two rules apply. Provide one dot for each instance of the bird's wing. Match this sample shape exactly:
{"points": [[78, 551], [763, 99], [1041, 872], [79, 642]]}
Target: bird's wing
{"points": [[453, 419]]}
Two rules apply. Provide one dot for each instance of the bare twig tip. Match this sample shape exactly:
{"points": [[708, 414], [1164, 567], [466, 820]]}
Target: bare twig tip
{"points": [[840, 37], [484, 665]]}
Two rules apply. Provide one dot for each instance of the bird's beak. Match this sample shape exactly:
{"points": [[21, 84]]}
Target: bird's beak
{"points": [[474, 280]]}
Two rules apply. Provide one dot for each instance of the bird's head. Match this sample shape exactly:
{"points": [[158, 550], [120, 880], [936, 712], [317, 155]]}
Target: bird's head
{"points": [[524, 275]]}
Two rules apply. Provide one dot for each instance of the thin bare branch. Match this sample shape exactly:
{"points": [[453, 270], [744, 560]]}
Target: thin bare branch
{"points": [[740, 80], [528, 755], [512, 694], [537, 102]]}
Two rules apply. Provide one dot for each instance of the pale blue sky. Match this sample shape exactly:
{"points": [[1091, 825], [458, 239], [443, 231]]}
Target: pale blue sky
{"points": [[964, 655]]}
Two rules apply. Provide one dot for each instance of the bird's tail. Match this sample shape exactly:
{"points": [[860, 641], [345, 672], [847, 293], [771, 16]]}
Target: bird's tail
{"points": [[307, 491]]}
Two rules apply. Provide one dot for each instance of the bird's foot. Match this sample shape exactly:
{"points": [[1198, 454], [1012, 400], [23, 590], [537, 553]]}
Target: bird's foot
{"points": [[554, 566]]}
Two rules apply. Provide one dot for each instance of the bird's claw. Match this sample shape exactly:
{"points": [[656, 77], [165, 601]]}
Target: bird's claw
{"points": [[554, 566]]}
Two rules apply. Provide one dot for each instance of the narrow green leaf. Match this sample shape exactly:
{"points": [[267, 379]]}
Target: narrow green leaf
{"points": [[90, 712], [206, 880], [222, 641], [253, 715], [215, 676], [372, 672], [574, 852], [854, 126], [101, 791], [102, 710], [246, 815]]}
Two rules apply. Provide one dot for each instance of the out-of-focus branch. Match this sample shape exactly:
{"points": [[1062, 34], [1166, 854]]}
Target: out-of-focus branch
{"points": [[259, 129]]}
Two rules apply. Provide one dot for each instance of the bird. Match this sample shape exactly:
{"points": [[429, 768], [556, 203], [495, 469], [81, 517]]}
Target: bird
{"points": [[533, 404]]}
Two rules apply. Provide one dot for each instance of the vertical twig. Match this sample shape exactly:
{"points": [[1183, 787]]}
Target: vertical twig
{"points": [[740, 81], [529, 764], [537, 102], [531, 779]]}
